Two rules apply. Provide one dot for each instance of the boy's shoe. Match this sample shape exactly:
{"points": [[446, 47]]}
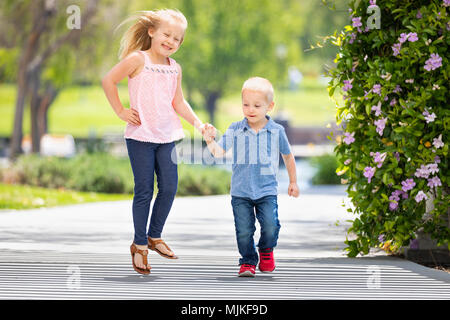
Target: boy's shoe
{"points": [[247, 270], [266, 260]]}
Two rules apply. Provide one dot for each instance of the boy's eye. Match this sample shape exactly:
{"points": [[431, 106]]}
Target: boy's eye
{"points": [[256, 106]]}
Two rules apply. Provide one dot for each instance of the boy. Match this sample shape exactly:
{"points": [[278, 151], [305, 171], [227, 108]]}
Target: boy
{"points": [[256, 141]]}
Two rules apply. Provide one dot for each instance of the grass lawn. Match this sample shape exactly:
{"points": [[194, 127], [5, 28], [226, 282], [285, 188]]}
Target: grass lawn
{"points": [[81, 111], [26, 197]]}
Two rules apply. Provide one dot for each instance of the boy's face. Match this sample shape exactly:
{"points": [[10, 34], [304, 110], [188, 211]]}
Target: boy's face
{"points": [[167, 38], [255, 105]]}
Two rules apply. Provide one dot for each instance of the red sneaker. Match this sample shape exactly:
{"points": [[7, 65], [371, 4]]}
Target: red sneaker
{"points": [[247, 270], [266, 260]]}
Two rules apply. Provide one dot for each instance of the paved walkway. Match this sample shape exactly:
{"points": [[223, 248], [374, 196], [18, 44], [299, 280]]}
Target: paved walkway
{"points": [[81, 251]]}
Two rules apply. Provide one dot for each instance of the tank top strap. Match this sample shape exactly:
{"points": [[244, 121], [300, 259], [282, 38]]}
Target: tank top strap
{"points": [[146, 59], [173, 63]]}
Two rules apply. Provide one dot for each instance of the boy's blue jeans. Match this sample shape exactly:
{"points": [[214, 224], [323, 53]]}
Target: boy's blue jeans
{"points": [[148, 158], [245, 210]]}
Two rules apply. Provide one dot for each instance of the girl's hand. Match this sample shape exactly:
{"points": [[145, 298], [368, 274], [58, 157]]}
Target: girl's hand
{"points": [[209, 133], [130, 115], [293, 190]]}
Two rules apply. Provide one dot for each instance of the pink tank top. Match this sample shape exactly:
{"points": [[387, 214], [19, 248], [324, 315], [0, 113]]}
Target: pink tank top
{"points": [[151, 94]]}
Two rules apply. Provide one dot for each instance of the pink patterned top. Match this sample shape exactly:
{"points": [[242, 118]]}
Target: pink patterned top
{"points": [[151, 94]]}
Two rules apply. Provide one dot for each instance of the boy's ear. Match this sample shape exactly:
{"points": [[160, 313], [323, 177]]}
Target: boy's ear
{"points": [[271, 105]]}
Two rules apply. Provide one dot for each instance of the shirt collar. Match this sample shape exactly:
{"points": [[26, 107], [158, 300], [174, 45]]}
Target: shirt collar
{"points": [[269, 125]]}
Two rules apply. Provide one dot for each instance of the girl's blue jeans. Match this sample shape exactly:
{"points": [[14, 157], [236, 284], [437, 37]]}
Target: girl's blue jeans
{"points": [[246, 211], [148, 158]]}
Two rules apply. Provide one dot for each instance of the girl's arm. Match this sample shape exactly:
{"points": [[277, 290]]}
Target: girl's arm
{"points": [[289, 162], [124, 68], [183, 108]]}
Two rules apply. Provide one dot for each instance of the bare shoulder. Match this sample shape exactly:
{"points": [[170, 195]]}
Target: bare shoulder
{"points": [[135, 63]]}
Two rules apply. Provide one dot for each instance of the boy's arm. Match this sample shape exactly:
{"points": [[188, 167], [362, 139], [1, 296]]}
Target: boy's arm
{"points": [[216, 150], [289, 162]]}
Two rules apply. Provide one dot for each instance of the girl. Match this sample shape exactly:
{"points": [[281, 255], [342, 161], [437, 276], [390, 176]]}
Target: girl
{"points": [[154, 83]]}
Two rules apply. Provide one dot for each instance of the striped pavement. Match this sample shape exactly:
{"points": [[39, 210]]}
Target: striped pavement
{"points": [[82, 252], [52, 275]]}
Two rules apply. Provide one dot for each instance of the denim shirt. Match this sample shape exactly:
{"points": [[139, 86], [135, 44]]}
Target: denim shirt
{"points": [[255, 157]]}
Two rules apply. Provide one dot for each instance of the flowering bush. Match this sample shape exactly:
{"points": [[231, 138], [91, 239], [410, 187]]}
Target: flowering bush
{"points": [[395, 118]]}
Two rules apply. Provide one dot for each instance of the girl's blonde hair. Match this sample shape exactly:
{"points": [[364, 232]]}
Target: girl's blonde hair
{"points": [[137, 37]]}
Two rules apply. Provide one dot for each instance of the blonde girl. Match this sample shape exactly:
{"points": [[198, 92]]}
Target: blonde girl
{"points": [[153, 125]]}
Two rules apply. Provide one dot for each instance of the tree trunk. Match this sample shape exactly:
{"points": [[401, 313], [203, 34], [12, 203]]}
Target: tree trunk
{"points": [[211, 104]]}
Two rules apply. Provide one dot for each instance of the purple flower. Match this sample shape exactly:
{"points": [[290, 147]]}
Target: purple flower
{"points": [[377, 109], [373, 2], [393, 102], [352, 37], [369, 172], [429, 117], [437, 142], [408, 184], [446, 3], [397, 156], [412, 37], [434, 182], [393, 204], [434, 62], [347, 85], [380, 125], [349, 137], [378, 158], [414, 244], [437, 159], [397, 89], [376, 89], [422, 172], [419, 14], [403, 37], [347, 162], [381, 238], [357, 22], [421, 196], [433, 168]]}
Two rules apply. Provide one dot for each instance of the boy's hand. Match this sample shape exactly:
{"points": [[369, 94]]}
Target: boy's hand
{"points": [[209, 133], [293, 190]]}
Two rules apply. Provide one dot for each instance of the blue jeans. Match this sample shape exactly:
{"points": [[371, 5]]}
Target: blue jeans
{"points": [[148, 158], [245, 210]]}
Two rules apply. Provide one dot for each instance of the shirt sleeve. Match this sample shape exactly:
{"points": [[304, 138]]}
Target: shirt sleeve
{"points": [[227, 140], [284, 142]]}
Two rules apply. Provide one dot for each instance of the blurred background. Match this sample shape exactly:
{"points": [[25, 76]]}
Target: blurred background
{"points": [[61, 142]]}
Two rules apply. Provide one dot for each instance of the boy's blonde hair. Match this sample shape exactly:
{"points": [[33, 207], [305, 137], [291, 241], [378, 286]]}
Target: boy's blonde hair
{"points": [[137, 37], [260, 84]]}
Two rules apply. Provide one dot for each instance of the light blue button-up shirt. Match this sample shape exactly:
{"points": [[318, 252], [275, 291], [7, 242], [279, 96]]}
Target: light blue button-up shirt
{"points": [[255, 157]]}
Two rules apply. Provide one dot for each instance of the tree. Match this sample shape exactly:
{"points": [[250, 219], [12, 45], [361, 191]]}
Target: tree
{"points": [[46, 18]]}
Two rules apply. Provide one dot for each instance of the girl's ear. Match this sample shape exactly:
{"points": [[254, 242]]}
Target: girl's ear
{"points": [[150, 32]]}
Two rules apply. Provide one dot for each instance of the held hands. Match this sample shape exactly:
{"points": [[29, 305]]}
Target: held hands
{"points": [[293, 190], [130, 115], [208, 132]]}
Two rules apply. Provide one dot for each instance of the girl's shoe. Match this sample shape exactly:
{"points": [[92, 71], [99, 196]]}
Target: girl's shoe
{"points": [[143, 253], [247, 270], [152, 246], [266, 260]]}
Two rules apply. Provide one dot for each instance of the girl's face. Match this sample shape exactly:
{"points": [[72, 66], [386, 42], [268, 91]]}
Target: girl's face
{"points": [[167, 38]]}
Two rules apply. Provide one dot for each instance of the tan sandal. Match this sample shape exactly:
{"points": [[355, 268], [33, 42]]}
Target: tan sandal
{"points": [[143, 253], [152, 246]]}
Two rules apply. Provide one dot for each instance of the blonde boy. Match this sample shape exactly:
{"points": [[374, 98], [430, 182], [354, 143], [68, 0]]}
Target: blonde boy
{"points": [[257, 142]]}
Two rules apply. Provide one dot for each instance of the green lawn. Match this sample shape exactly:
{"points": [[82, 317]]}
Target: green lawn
{"points": [[81, 111], [26, 197]]}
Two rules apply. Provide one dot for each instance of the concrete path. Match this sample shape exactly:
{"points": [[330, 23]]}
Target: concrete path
{"points": [[81, 252]]}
